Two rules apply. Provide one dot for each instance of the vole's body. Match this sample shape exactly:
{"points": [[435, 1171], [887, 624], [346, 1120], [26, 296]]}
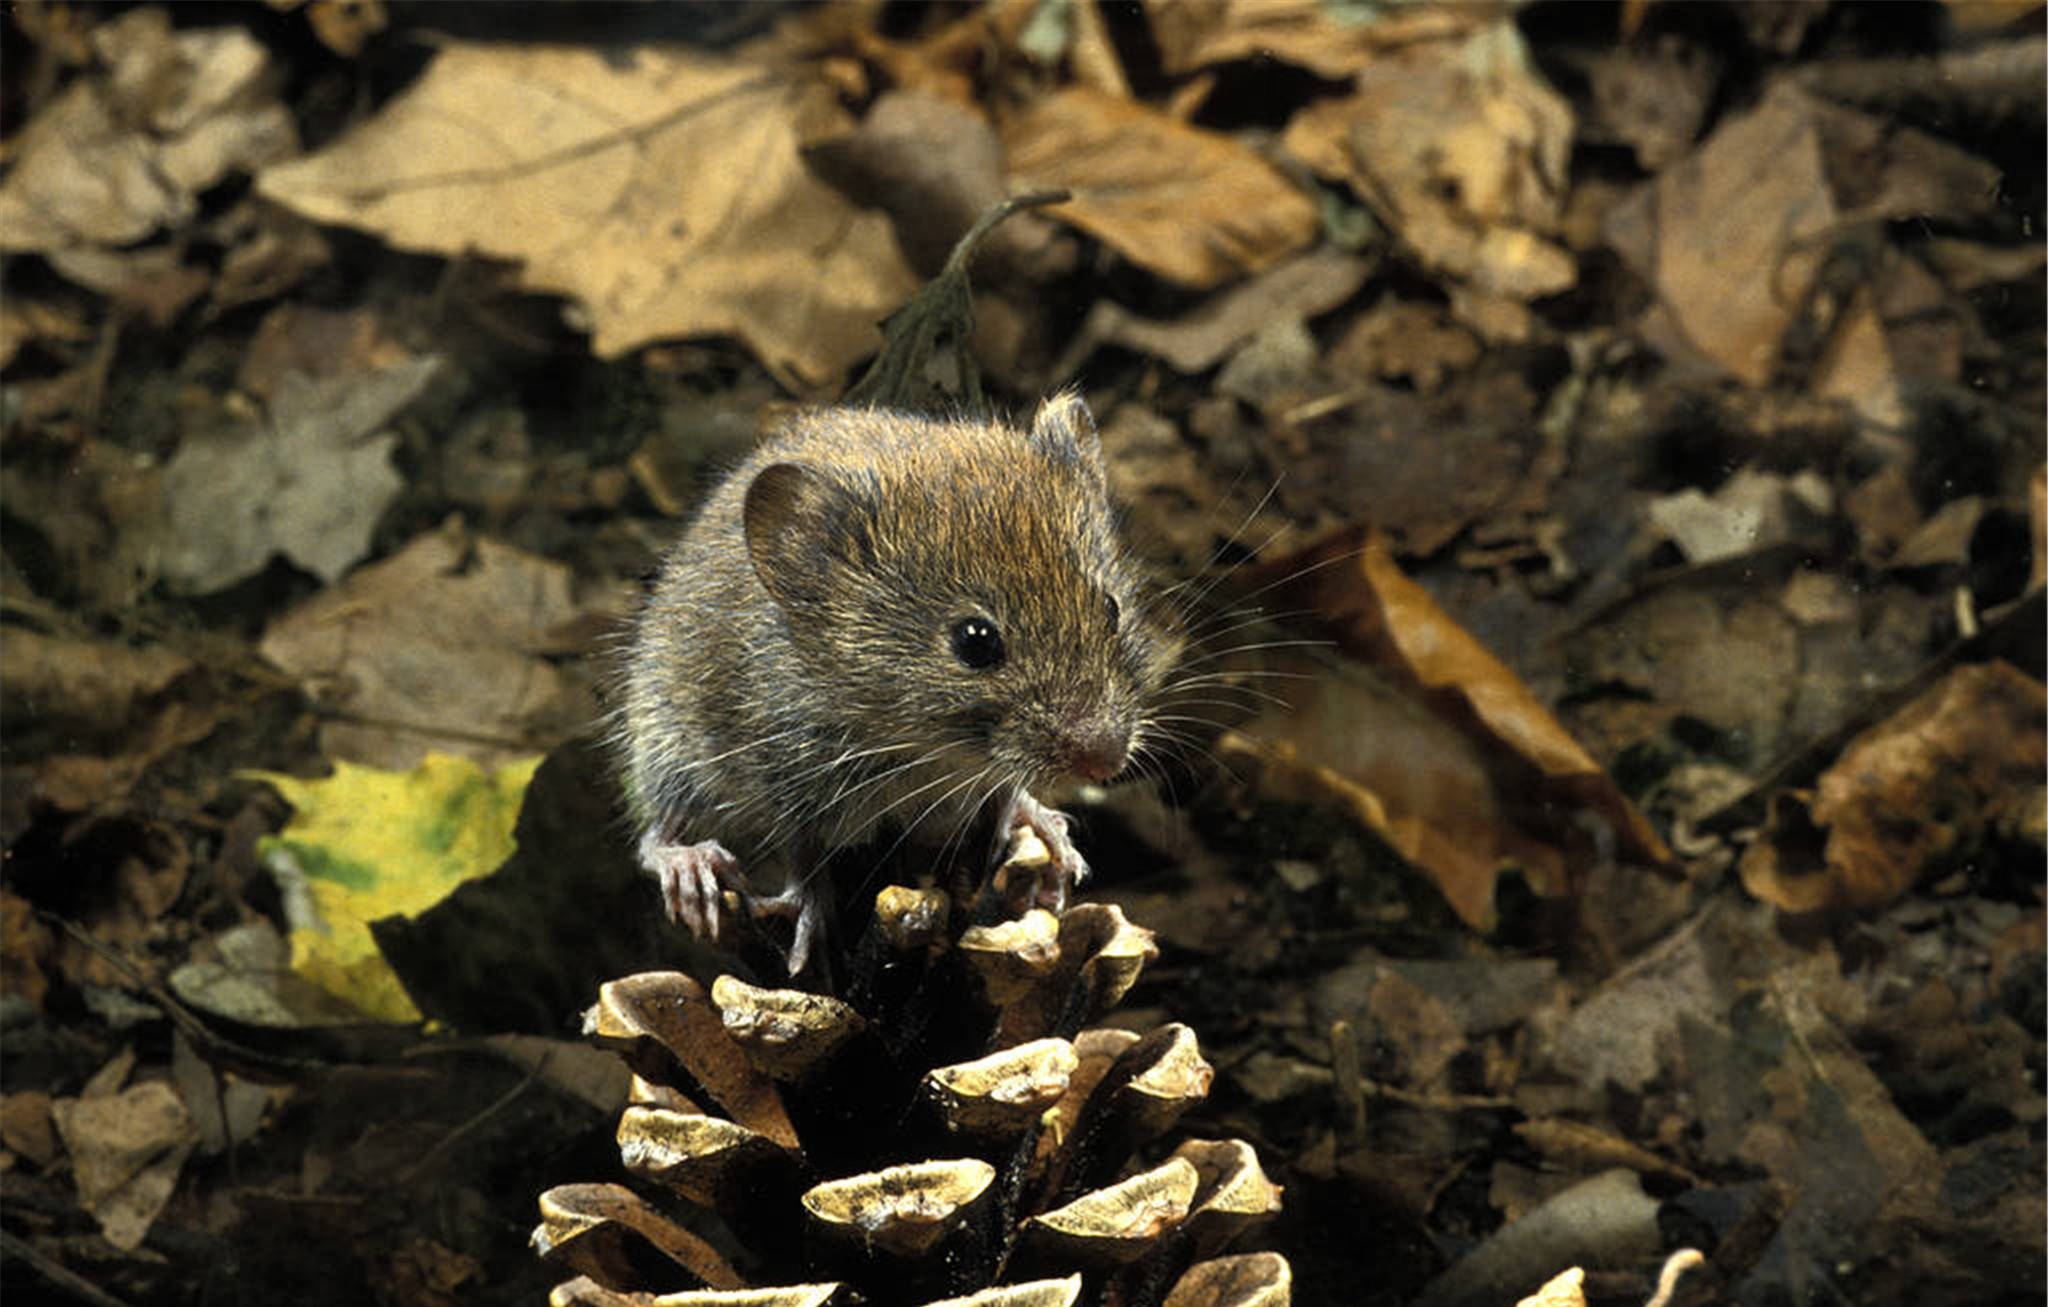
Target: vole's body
{"points": [[878, 618]]}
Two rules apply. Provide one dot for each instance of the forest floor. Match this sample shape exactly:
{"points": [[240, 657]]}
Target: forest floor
{"points": [[1623, 423]]}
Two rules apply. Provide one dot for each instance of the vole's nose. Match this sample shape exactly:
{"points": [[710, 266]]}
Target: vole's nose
{"points": [[1095, 751]]}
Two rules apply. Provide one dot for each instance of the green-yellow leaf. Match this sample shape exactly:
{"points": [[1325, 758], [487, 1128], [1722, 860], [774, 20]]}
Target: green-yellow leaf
{"points": [[365, 844]]}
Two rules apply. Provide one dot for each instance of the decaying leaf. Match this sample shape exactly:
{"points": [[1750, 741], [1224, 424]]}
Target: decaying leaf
{"points": [[309, 482], [440, 648], [1195, 207], [1770, 220], [120, 156], [1463, 148], [127, 1149], [1918, 791], [1295, 289], [1416, 733], [665, 191], [1329, 41]]}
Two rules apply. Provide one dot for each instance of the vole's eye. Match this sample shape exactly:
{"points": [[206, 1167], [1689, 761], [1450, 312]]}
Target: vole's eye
{"points": [[1115, 613], [977, 643]]}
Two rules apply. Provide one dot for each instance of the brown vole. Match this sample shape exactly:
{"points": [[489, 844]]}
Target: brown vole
{"points": [[882, 619]]}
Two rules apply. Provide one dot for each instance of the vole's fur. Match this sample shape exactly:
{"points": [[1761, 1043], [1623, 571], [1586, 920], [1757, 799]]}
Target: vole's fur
{"points": [[796, 678]]}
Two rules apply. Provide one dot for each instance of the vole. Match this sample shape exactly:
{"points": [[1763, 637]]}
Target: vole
{"points": [[880, 619]]}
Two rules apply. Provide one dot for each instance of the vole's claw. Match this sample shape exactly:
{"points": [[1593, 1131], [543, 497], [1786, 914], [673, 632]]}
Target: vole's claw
{"points": [[1050, 826], [691, 876], [803, 904]]}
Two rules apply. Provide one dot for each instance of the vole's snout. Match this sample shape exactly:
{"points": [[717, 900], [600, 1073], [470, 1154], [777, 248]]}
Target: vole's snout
{"points": [[1095, 750]]}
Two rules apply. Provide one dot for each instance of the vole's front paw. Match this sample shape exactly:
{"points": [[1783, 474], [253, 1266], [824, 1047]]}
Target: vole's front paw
{"points": [[691, 876], [1050, 826]]}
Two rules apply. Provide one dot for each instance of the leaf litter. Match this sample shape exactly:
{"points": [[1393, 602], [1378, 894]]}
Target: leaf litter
{"points": [[1639, 411]]}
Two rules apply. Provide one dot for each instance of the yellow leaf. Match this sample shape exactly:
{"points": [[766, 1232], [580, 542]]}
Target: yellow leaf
{"points": [[365, 844]]}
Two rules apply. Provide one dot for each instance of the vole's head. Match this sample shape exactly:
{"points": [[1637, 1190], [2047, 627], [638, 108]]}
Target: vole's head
{"points": [[959, 593]]}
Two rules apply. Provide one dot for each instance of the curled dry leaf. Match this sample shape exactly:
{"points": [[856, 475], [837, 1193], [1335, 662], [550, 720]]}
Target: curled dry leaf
{"points": [[126, 1152], [310, 481], [1739, 235], [1417, 734], [903, 1210], [589, 1227], [665, 191], [1463, 148], [787, 1032], [1122, 1222], [1195, 34], [1192, 206], [119, 156], [1917, 791], [443, 646], [1006, 1090], [1297, 289]]}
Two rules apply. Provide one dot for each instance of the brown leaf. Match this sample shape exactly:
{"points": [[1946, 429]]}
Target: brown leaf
{"points": [[1438, 746], [1737, 235], [436, 648], [119, 156], [1296, 289], [1914, 793], [664, 190], [26, 950], [126, 1152], [1462, 149], [1195, 207], [1195, 34]]}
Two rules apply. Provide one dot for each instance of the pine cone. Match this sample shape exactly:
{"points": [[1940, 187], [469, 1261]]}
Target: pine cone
{"points": [[952, 1127]]}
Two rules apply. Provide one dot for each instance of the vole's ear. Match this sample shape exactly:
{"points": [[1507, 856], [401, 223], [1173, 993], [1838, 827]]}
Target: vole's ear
{"points": [[1065, 430], [800, 525]]}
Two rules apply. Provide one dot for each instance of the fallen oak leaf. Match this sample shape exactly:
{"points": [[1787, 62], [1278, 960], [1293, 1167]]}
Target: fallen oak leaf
{"points": [[1189, 205], [1432, 741], [663, 189]]}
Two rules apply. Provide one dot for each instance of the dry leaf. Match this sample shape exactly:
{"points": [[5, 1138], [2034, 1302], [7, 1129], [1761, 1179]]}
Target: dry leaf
{"points": [[1736, 236], [1326, 39], [309, 483], [1919, 790], [1431, 741], [116, 158], [1462, 148], [436, 648], [126, 1152], [1300, 288], [1195, 207], [661, 188]]}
